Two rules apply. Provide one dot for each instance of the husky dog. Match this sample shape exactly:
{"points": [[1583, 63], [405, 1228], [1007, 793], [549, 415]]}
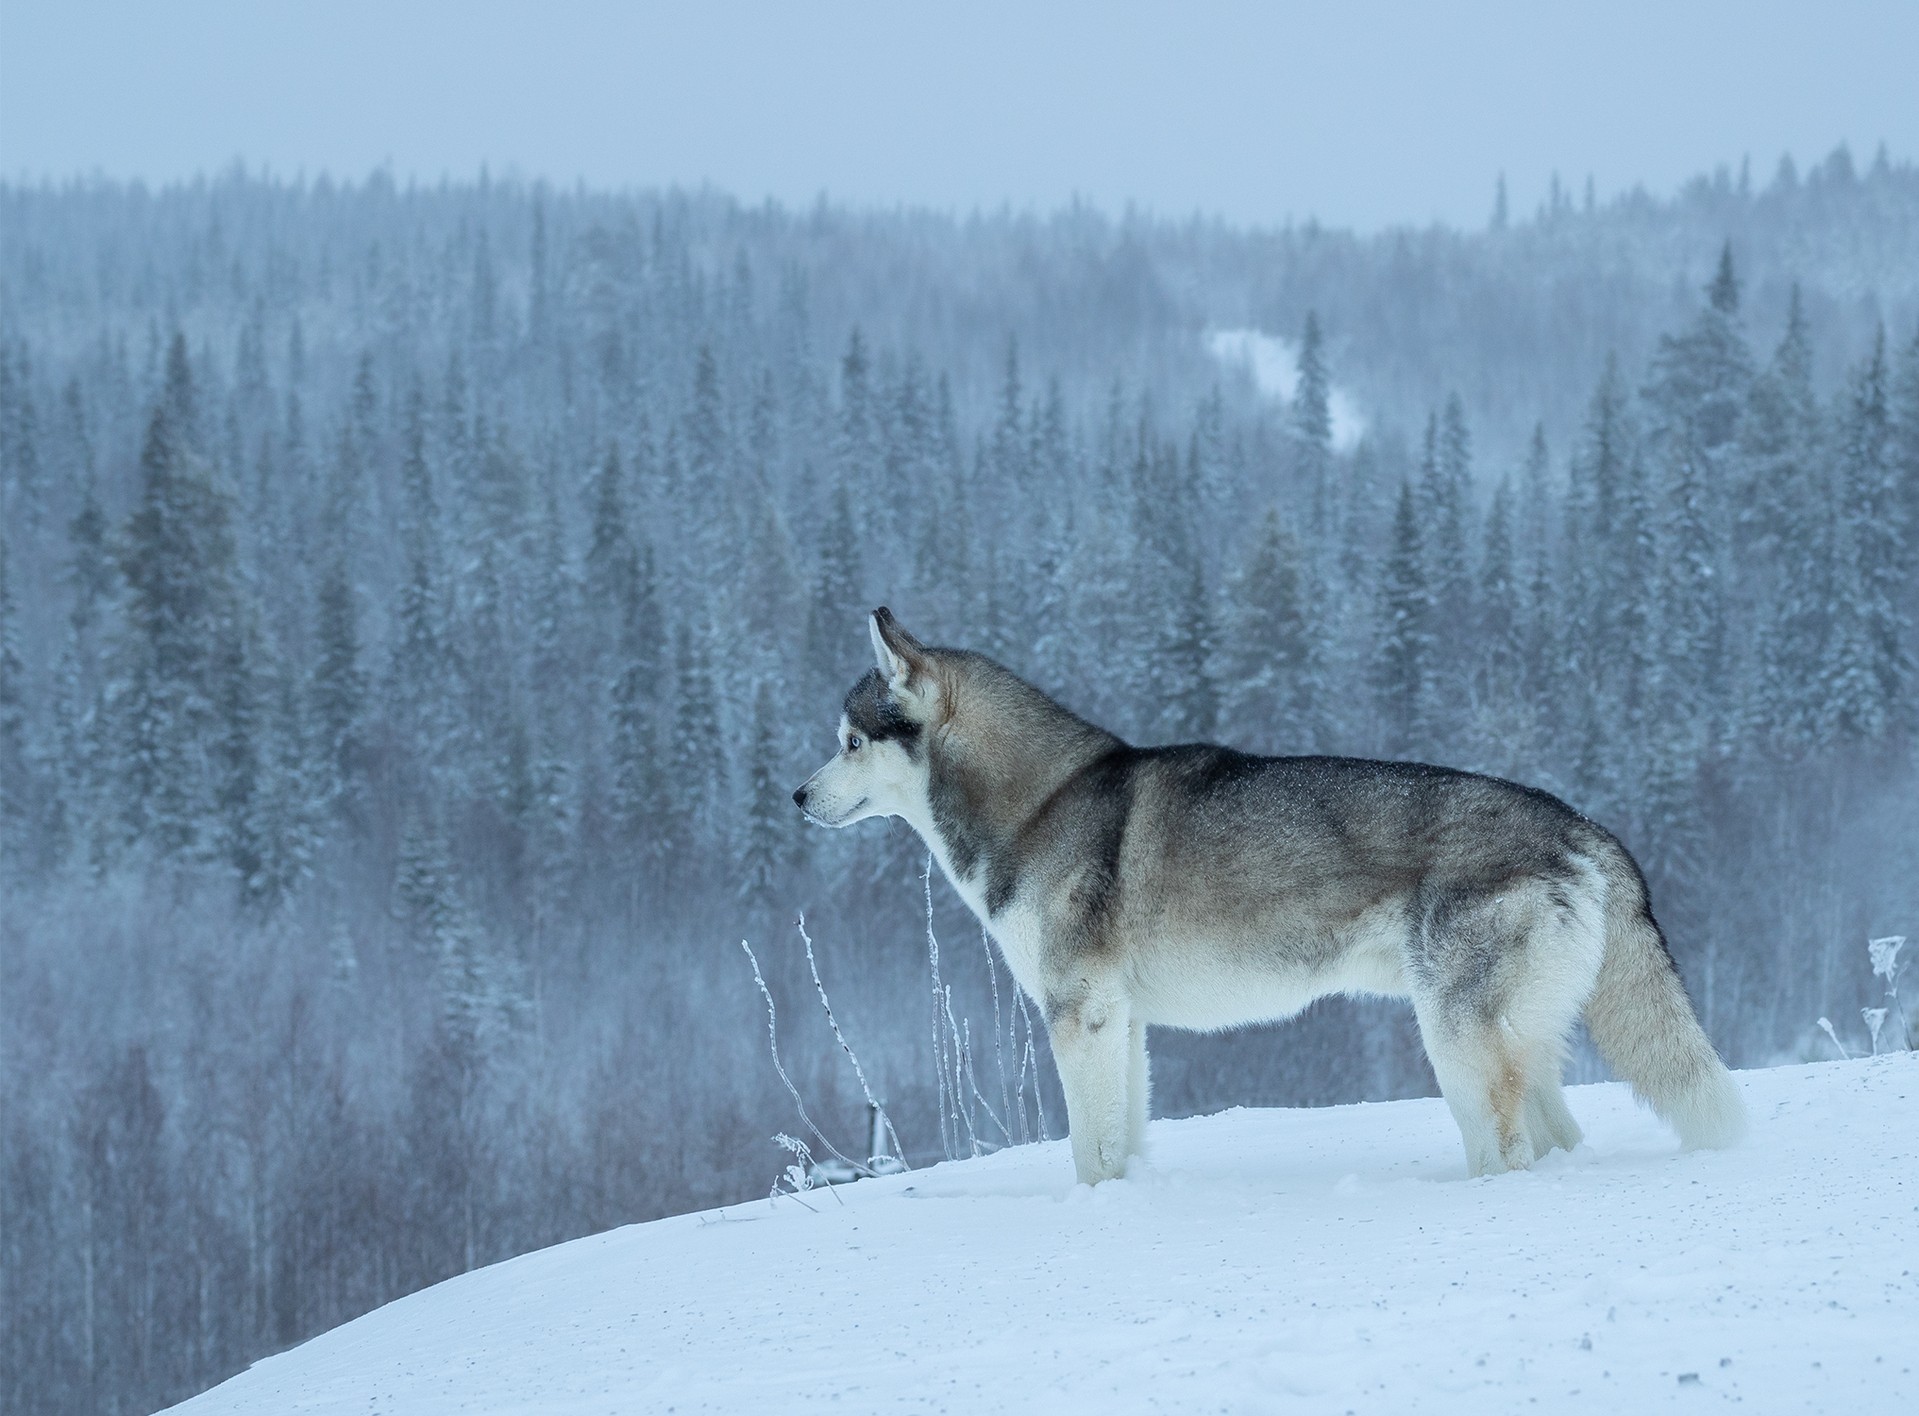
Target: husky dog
{"points": [[1199, 887]]}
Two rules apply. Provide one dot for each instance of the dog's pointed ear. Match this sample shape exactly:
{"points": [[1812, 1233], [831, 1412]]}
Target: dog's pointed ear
{"points": [[901, 657]]}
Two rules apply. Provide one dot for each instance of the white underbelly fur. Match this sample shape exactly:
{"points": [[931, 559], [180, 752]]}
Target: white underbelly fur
{"points": [[1207, 985], [1203, 985]]}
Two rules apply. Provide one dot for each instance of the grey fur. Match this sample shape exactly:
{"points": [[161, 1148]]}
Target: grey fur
{"points": [[1201, 887]]}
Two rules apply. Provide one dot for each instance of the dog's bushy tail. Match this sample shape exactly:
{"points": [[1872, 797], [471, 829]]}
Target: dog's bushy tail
{"points": [[1644, 1026]]}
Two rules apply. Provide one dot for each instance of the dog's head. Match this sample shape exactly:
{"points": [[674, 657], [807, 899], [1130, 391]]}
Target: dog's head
{"points": [[881, 767]]}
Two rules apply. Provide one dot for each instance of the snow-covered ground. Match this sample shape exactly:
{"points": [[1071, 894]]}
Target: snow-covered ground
{"points": [[1321, 1261]]}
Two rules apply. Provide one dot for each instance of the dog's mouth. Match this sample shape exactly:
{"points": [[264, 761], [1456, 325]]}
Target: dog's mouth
{"points": [[841, 820]]}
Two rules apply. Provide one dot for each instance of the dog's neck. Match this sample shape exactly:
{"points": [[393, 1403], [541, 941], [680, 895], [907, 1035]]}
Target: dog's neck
{"points": [[986, 782]]}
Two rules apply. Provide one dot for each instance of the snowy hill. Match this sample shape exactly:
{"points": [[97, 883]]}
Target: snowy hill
{"points": [[1319, 1260]]}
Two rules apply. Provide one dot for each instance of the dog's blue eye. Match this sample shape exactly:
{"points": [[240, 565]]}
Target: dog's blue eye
{"points": [[853, 744]]}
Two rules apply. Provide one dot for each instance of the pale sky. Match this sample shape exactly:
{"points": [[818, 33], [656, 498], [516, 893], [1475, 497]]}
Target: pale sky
{"points": [[1359, 114]]}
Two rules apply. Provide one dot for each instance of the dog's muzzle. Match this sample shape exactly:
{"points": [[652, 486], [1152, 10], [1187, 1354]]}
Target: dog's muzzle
{"points": [[803, 795]]}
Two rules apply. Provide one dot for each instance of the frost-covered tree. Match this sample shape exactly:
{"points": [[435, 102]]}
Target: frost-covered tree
{"points": [[1500, 648], [1787, 522], [23, 491], [1312, 423], [764, 849], [1173, 622], [16, 795], [1867, 666], [1403, 659], [1445, 490], [338, 687], [1275, 664], [421, 676], [634, 700], [181, 690]]}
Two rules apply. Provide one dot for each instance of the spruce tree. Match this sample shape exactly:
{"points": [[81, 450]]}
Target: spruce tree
{"points": [[696, 781], [1786, 524], [283, 827], [1403, 663], [769, 812], [1445, 490], [16, 814], [1723, 293], [553, 605], [1588, 643], [338, 684], [181, 695], [1276, 688], [80, 717], [1868, 666], [706, 453], [1692, 610], [1538, 552], [1699, 391], [1188, 656], [539, 314], [1903, 453], [236, 754], [1009, 446], [907, 457], [838, 602], [475, 998], [1312, 426], [421, 671], [609, 551], [1170, 609], [1905, 435], [22, 481], [1500, 642], [856, 460], [942, 545], [633, 704]]}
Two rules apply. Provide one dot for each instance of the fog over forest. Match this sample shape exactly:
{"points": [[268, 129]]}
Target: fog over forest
{"points": [[417, 605]]}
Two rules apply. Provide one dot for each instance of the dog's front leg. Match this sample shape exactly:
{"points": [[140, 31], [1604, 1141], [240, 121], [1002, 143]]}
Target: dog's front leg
{"points": [[1093, 1046], [1139, 1088]]}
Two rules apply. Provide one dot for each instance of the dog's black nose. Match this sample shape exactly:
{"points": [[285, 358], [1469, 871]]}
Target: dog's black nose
{"points": [[799, 797]]}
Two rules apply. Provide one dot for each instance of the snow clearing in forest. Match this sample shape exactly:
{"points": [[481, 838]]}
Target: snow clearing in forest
{"points": [[1273, 1260]]}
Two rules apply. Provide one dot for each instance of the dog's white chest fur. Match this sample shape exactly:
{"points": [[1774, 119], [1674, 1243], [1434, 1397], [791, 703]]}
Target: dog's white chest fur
{"points": [[1016, 929]]}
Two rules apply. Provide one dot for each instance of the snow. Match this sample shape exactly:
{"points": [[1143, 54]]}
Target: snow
{"points": [[1276, 1260]]}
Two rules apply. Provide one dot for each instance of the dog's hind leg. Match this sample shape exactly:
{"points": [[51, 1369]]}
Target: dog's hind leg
{"points": [[1547, 1118], [1092, 1036], [1484, 1084], [1563, 941], [1497, 982], [1139, 1088]]}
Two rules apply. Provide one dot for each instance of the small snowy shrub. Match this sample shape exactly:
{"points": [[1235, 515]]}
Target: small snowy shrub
{"points": [[1886, 964], [1888, 1025]]}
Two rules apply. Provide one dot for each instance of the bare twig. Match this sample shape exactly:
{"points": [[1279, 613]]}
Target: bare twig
{"points": [[999, 1053], [773, 1046], [979, 1099], [949, 1133], [899, 1151], [1030, 1058]]}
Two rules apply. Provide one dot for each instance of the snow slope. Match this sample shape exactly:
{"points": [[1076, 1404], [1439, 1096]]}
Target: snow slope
{"points": [[1321, 1261]]}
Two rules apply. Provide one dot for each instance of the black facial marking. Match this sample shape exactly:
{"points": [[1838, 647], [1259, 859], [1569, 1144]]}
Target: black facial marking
{"points": [[873, 713]]}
